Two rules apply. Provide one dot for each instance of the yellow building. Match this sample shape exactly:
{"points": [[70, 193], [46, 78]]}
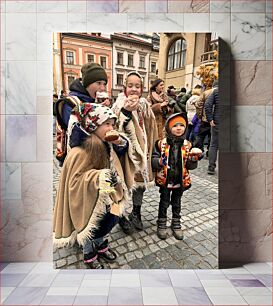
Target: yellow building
{"points": [[180, 55]]}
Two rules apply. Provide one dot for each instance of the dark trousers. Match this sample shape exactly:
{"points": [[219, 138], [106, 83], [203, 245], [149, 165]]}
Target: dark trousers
{"points": [[189, 131], [104, 227], [167, 197], [213, 147], [137, 196], [204, 130]]}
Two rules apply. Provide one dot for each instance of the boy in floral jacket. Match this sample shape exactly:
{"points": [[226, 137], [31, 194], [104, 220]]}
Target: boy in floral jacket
{"points": [[172, 157]]}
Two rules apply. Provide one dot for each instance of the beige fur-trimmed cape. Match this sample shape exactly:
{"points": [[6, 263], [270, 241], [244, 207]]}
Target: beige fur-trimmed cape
{"points": [[142, 140], [84, 196]]}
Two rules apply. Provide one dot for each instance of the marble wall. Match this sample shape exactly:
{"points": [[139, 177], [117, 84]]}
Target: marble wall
{"points": [[26, 85]]}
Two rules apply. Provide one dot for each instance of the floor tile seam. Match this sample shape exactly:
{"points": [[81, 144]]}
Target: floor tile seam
{"points": [[141, 290], [269, 293], [253, 273]]}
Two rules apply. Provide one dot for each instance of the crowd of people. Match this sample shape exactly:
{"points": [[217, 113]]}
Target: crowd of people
{"points": [[111, 152]]}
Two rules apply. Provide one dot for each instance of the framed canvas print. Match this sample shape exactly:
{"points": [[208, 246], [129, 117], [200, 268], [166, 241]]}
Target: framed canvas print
{"points": [[135, 133]]}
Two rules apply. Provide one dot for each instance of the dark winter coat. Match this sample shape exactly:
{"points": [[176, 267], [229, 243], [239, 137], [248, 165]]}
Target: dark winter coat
{"points": [[180, 106], [212, 107]]}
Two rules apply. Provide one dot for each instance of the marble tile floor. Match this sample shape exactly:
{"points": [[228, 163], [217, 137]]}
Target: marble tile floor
{"points": [[39, 284]]}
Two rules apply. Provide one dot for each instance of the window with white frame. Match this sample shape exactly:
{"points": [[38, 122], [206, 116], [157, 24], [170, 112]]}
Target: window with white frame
{"points": [[153, 67], [119, 79], [120, 58], [70, 57], [103, 61], [130, 60], [142, 61], [90, 58], [177, 54]]}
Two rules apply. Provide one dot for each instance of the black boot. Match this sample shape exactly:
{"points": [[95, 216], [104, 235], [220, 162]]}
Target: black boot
{"points": [[106, 253], [176, 228], [135, 217], [126, 225], [91, 260], [162, 228]]}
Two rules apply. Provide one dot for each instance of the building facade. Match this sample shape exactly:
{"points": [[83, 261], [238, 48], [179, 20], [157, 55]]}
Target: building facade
{"points": [[130, 53], [81, 48], [180, 56]]}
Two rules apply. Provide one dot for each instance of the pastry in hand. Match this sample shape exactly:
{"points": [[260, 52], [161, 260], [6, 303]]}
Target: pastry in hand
{"points": [[195, 154], [196, 151], [111, 135], [133, 98]]}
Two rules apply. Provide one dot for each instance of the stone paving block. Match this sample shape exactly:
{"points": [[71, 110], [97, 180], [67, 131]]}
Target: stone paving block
{"points": [[154, 248], [149, 259], [138, 254], [138, 264], [170, 240], [130, 256], [198, 229], [132, 246], [141, 243], [61, 263], [114, 244], [125, 267], [121, 249], [155, 238], [192, 261], [171, 264], [208, 245], [135, 235], [56, 255], [128, 238], [121, 241], [204, 265], [211, 260], [142, 234], [149, 231], [162, 244], [72, 259], [148, 239], [118, 235], [156, 265], [201, 250], [163, 255], [121, 260]]}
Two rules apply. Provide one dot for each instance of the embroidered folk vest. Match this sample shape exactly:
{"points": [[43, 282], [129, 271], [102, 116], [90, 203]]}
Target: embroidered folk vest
{"points": [[161, 175]]}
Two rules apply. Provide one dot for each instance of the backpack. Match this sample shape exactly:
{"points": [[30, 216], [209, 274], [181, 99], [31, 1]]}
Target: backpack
{"points": [[61, 127]]}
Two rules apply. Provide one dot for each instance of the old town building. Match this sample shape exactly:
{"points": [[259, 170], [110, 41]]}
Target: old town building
{"points": [[81, 48], [180, 55], [131, 52]]}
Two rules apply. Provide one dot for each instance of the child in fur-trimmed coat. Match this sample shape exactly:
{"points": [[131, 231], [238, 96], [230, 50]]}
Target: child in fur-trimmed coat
{"points": [[94, 186], [172, 157], [137, 121]]}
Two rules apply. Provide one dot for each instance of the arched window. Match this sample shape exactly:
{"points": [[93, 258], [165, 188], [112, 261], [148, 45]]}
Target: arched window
{"points": [[177, 54]]}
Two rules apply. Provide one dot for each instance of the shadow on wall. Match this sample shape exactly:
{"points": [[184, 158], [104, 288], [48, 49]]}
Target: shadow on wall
{"points": [[228, 239], [239, 240]]}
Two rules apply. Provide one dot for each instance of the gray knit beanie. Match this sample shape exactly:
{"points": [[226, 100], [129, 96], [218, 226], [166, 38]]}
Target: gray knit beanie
{"points": [[91, 73]]}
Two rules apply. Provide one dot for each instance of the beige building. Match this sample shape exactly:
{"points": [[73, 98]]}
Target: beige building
{"points": [[180, 55]]}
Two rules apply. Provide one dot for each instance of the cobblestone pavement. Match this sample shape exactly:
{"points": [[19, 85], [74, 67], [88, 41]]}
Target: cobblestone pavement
{"points": [[144, 250]]}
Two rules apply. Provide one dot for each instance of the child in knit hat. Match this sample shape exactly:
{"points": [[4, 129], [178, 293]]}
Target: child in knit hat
{"points": [[82, 90], [172, 157], [137, 121], [93, 187]]}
